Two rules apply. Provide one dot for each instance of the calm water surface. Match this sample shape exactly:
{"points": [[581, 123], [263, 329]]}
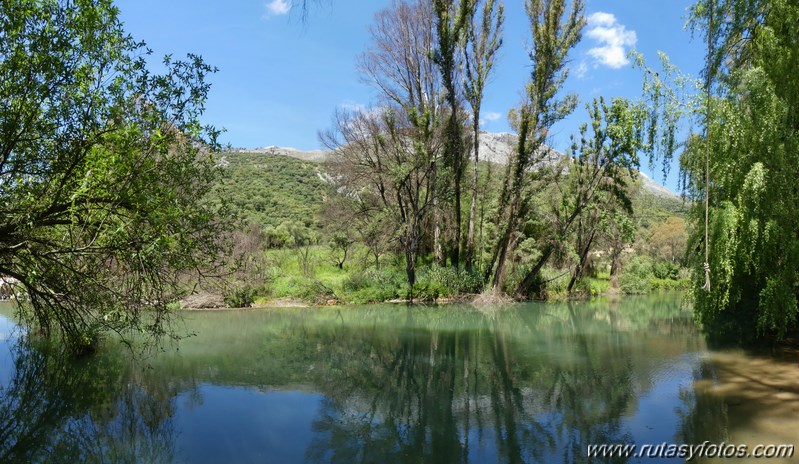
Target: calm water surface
{"points": [[384, 384]]}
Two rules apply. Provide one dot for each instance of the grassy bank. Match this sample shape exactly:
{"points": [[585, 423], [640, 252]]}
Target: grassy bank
{"points": [[311, 275]]}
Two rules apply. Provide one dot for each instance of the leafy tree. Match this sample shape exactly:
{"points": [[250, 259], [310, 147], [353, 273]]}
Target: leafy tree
{"points": [[753, 136], [599, 190], [452, 23], [391, 152], [299, 237], [483, 39], [354, 218], [338, 215], [598, 178], [380, 159], [103, 168], [555, 30], [668, 240], [618, 233], [341, 242]]}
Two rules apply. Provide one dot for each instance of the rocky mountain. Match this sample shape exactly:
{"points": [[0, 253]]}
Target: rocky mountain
{"points": [[305, 155], [499, 146]]}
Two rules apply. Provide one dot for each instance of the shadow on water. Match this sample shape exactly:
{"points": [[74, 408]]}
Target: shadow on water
{"points": [[528, 383], [452, 396], [744, 397]]}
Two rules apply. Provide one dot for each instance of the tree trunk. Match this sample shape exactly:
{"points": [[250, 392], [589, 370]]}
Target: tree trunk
{"points": [[473, 205], [614, 267], [579, 269], [456, 251], [410, 271], [438, 255], [524, 287], [411, 250]]}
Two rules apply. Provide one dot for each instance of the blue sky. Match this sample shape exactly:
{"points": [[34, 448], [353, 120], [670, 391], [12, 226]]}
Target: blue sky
{"points": [[280, 79]]}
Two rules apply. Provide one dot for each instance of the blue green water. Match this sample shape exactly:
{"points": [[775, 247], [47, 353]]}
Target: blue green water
{"points": [[523, 383]]}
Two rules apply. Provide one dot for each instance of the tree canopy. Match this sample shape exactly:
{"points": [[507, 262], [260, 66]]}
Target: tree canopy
{"points": [[103, 169], [753, 136]]}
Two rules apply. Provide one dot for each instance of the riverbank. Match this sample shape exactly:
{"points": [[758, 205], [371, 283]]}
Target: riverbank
{"points": [[312, 277]]}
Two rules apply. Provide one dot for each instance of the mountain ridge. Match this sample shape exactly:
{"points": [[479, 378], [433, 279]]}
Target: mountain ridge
{"points": [[496, 147]]}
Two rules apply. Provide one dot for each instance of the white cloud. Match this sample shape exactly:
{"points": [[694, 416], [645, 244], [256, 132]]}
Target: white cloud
{"points": [[491, 116], [277, 7], [600, 18], [582, 69], [612, 39]]}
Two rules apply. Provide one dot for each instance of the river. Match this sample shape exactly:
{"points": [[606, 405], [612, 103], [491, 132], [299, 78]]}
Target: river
{"points": [[536, 382]]}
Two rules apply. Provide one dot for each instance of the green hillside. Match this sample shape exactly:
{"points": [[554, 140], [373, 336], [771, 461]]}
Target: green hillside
{"points": [[270, 189]]}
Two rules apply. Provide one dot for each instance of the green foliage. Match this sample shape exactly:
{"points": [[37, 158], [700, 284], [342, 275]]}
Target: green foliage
{"points": [[592, 287], [642, 274], [665, 270], [670, 284], [754, 151], [554, 282], [242, 297], [303, 288], [448, 281], [636, 277], [373, 286], [273, 190], [103, 168]]}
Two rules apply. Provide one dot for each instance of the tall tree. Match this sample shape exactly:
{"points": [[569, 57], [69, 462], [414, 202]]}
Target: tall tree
{"points": [[753, 139], [483, 40], [452, 23], [103, 167], [555, 30], [402, 136], [379, 159], [598, 178]]}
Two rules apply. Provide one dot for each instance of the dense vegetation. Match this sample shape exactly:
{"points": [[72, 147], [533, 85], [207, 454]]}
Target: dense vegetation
{"points": [[315, 250], [102, 168], [540, 225], [114, 203], [751, 147], [271, 190]]}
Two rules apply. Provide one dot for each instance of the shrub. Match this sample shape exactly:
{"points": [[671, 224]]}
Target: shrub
{"points": [[665, 270], [591, 286], [553, 282], [240, 297], [669, 284], [636, 276], [374, 286], [303, 288], [448, 281]]}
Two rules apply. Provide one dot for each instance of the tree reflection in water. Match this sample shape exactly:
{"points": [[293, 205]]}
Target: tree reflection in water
{"points": [[453, 395], [531, 383], [57, 409]]}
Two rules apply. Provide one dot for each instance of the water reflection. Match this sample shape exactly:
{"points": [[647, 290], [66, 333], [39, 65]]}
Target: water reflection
{"points": [[451, 396], [57, 410], [529, 383]]}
